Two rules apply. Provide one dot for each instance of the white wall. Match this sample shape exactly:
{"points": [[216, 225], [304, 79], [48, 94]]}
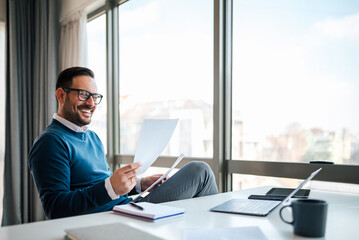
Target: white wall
{"points": [[2, 10], [69, 7]]}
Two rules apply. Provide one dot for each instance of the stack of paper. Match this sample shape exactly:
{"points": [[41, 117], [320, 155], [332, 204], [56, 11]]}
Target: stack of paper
{"points": [[150, 212]]}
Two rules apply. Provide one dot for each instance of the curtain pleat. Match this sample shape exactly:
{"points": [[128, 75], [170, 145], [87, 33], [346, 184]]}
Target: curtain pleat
{"points": [[31, 71], [73, 41]]}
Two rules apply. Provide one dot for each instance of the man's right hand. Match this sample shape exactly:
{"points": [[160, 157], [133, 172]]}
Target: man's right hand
{"points": [[124, 179]]}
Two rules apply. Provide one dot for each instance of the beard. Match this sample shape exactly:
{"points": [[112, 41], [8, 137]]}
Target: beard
{"points": [[80, 115]]}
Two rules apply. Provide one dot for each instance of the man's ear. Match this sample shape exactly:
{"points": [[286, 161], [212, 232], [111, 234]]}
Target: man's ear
{"points": [[60, 95]]}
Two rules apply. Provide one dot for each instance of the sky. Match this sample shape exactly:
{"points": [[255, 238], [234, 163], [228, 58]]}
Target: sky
{"points": [[296, 61], [161, 49]]}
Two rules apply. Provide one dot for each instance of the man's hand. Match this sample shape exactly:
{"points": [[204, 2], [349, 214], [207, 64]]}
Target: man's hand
{"points": [[124, 179], [148, 181]]}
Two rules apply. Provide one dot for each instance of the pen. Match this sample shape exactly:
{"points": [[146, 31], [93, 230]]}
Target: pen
{"points": [[136, 205]]}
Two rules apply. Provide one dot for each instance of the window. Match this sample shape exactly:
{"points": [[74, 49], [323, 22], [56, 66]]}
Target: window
{"points": [[166, 71], [96, 32], [293, 91], [242, 181], [295, 88]]}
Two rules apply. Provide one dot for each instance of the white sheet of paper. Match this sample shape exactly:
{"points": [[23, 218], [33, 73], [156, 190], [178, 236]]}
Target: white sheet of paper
{"points": [[154, 137], [247, 233]]}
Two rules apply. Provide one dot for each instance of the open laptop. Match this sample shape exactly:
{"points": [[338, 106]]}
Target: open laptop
{"points": [[257, 207]]}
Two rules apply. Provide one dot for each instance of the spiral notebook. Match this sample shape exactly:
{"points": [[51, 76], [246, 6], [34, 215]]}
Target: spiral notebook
{"points": [[150, 212]]}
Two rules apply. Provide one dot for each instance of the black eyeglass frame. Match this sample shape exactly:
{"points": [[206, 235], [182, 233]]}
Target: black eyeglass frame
{"points": [[94, 96]]}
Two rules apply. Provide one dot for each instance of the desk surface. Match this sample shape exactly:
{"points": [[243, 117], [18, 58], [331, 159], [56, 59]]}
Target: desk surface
{"points": [[343, 219]]}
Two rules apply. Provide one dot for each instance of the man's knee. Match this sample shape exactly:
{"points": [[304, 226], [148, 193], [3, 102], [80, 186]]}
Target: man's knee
{"points": [[202, 173], [199, 168]]}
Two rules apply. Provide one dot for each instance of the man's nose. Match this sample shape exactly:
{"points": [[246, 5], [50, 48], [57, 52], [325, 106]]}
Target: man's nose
{"points": [[90, 101]]}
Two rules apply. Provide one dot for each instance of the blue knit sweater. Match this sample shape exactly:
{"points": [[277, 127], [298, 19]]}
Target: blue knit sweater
{"points": [[69, 169]]}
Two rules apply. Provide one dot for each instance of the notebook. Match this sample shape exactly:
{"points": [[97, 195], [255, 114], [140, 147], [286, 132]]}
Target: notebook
{"points": [[149, 212], [257, 207]]}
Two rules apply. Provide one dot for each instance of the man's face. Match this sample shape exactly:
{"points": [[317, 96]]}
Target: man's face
{"points": [[77, 111]]}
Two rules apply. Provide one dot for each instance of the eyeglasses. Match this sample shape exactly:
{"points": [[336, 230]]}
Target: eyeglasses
{"points": [[85, 95]]}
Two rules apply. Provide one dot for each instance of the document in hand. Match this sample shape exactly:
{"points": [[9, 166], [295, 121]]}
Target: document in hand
{"points": [[154, 137], [150, 212]]}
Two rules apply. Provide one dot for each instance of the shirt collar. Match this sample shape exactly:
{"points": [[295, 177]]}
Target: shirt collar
{"points": [[69, 124]]}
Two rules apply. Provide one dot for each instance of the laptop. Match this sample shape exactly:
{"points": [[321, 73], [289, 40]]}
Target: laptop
{"points": [[257, 207]]}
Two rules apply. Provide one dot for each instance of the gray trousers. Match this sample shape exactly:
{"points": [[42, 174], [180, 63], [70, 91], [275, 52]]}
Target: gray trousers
{"points": [[195, 179]]}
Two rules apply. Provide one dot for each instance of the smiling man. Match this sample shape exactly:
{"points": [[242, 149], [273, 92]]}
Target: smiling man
{"points": [[78, 111], [69, 165]]}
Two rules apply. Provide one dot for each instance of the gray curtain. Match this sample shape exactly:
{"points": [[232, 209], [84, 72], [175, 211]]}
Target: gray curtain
{"points": [[31, 71]]}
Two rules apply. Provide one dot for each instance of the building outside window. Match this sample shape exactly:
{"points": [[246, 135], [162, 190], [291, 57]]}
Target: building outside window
{"points": [[294, 88], [166, 71], [295, 81]]}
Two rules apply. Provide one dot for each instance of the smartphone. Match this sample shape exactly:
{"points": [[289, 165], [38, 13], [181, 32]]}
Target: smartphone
{"points": [[302, 193]]}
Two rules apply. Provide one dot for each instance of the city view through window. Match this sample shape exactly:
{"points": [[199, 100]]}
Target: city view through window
{"points": [[166, 71], [295, 81], [295, 86]]}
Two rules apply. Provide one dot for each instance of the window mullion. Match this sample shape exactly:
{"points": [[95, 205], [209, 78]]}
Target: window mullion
{"points": [[222, 92], [112, 84]]}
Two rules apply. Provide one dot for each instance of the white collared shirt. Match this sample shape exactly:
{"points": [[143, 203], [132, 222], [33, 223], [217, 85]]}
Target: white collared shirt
{"points": [[76, 128], [69, 124]]}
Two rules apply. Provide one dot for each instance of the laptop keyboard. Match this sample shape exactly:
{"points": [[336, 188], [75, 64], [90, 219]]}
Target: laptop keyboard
{"points": [[255, 206]]}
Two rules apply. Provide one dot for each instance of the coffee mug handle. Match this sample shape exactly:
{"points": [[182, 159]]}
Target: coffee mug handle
{"points": [[281, 217]]}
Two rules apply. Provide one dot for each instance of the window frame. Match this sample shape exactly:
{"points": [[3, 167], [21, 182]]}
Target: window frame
{"points": [[222, 163], [3, 26]]}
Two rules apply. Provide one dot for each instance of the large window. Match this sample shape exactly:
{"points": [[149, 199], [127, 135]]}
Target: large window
{"points": [[166, 71], [295, 81], [289, 74], [295, 84], [96, 32]]}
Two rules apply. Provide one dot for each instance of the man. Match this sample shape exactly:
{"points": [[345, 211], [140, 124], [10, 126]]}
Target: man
{"points": [[70, 169]]}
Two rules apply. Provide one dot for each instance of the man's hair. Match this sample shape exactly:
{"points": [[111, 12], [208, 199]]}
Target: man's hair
{"points": [[64, 79]]}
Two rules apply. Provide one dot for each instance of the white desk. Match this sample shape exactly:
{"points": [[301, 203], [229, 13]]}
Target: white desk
{"points": [[342, 223]]}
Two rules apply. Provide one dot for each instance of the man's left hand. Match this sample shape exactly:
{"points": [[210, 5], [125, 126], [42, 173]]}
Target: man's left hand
{"points": [[148, 181]]}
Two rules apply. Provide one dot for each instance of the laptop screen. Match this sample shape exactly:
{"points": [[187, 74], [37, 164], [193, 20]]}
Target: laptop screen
{"points": [[285, 200]]}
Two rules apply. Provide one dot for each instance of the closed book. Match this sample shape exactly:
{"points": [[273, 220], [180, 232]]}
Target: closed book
{"points": [[149, 211]]}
